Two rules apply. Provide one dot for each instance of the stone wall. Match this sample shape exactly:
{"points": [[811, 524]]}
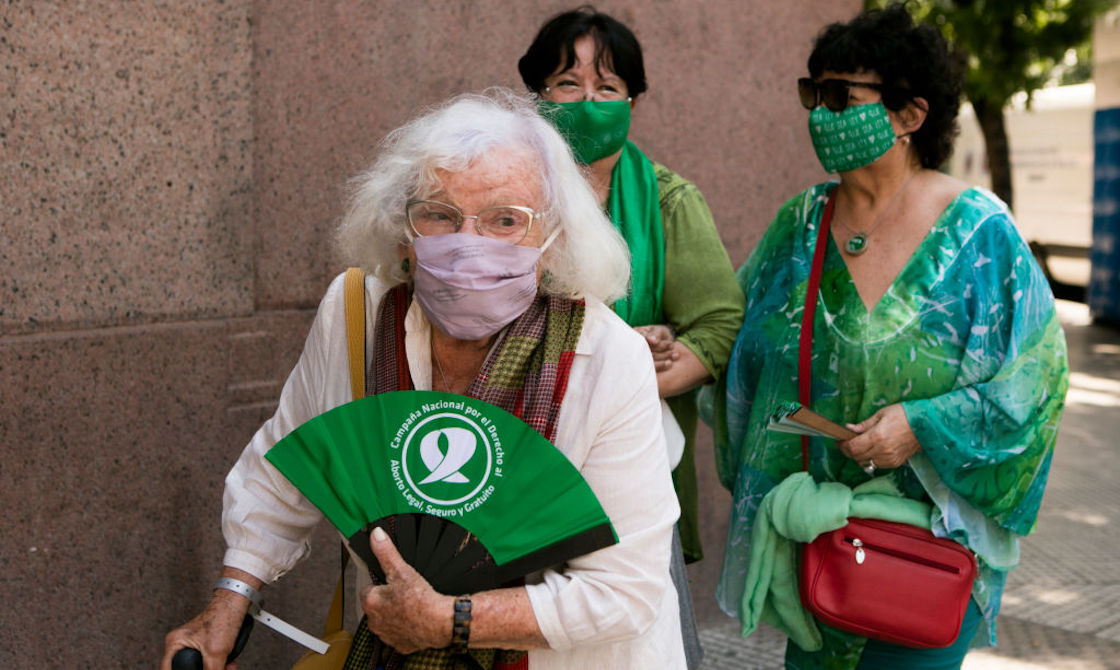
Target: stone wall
{"points": [[169, 177]]}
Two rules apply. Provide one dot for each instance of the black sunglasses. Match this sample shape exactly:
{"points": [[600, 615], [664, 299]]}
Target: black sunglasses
{"points": [[834, 93]]}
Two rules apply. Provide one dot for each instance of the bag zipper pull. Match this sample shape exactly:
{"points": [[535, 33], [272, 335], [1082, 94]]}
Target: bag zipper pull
{"points": [[860, 555]]}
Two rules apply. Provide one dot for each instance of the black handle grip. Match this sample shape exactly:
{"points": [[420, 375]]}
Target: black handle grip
{"points": [[189, 658]]}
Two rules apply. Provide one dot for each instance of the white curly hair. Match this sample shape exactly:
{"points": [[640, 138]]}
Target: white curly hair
{"points": [[589, 258]]}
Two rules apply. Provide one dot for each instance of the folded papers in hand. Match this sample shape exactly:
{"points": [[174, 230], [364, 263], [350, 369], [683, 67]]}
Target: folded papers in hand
{"points": [[791, 417]]}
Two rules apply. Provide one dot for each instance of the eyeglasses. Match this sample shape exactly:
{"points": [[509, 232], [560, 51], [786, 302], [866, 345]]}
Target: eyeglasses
{"points": [[509, 223], [834, 93], [566, 91]]}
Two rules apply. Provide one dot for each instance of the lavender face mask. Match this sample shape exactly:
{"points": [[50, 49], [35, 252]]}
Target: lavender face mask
{"points": [[470, 286]]}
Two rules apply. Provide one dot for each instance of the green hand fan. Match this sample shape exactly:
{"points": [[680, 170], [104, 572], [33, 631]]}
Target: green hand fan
{"points": [[471, 495]]}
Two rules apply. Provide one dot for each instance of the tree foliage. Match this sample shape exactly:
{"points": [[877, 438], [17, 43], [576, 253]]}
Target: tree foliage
{"points": [[1011, 45], [1008, 46]]}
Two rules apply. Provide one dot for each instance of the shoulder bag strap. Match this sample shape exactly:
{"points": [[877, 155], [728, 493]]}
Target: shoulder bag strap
{"points": [[354, 299], [354, 295], [338, 601], [805, 358]]}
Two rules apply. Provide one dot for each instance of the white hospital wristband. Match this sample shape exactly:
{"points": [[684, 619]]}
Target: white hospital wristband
{"points": [[238, 586]]}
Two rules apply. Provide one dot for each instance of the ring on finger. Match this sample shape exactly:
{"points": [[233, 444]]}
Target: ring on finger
{"points": [[869, 467]]}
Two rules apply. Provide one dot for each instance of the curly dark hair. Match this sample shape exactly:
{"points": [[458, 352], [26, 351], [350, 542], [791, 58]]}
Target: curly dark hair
{"points": [[616, 49], [913, 61]]}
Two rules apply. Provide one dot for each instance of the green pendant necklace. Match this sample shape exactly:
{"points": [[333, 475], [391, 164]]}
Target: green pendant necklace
{"points": [[857, 243]]}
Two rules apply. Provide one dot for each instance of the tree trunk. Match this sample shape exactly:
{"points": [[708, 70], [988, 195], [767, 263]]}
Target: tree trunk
{"points": [[990, 116]]}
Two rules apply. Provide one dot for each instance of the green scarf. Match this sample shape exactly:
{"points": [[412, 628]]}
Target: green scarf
{"points": [[798, 510], [635, 210]]}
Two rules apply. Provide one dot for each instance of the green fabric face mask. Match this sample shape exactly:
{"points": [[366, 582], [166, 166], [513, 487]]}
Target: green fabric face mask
{"points": [[593, 129], [852, 138]]}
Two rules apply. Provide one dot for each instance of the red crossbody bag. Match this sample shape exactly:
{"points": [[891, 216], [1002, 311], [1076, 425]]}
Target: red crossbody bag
{"points": [[880, 579]]}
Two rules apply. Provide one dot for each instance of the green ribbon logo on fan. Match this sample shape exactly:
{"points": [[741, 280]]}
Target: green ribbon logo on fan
{"points": [[448, 453], [445, 455]]}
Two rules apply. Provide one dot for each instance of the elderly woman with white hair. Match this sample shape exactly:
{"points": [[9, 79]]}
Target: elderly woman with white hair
{"points": [[480, 199]]}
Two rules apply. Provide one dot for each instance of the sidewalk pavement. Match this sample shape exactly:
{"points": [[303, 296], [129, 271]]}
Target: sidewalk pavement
{"points": [[1061, 607]]}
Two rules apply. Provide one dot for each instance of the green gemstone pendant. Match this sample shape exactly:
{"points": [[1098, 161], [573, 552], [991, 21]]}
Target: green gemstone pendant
{"points": [[856, 244]]}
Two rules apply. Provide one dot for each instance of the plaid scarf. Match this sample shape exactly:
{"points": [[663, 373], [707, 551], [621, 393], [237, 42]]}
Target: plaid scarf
{"points": [[526, 374]]}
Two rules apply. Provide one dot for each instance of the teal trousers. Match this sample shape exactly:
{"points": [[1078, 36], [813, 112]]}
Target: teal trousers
{"points": [[885, 656]]}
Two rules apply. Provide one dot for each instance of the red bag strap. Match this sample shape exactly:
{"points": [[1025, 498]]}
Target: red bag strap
{"points": [[805, 357]]}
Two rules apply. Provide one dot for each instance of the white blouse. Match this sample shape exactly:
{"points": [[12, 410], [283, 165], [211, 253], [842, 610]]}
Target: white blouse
{"points": [[613, 608]]}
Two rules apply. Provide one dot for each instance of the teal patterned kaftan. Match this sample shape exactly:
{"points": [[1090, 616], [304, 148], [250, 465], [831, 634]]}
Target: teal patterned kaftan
{"points": [[966, 338]]}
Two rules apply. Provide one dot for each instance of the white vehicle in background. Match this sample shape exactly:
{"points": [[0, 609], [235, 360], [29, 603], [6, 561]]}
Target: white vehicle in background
{"points": [[1051, 148]]}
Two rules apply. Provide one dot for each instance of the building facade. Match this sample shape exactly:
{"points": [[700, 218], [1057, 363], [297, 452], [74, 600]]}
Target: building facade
{"points": [[170, 174]]}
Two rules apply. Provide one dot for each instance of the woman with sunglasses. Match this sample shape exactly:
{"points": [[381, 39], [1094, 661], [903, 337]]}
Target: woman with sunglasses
{"points": [[935, 337]]}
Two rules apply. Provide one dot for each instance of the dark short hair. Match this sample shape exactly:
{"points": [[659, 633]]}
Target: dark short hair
{"points": [[616, 49], [913, 61]]}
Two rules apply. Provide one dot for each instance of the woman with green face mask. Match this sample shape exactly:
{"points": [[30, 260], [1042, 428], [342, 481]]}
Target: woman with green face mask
{"points": [[933, 337], [587, 69]]}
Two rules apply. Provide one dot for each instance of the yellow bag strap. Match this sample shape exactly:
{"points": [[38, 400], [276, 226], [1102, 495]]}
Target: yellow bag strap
{"points": [[354, 295], [334, 616], [354, 299]]}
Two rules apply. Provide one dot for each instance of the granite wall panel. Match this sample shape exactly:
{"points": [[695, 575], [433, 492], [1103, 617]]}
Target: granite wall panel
{"points": [[116, 442], [722, 108], [125, 174]]}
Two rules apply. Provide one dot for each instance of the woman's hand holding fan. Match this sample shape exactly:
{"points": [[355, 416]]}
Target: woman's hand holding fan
{"points": [[405, 611]]}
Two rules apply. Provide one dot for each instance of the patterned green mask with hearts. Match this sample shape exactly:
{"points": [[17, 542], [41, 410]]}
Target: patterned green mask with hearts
{"points": [[852, 138]]}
